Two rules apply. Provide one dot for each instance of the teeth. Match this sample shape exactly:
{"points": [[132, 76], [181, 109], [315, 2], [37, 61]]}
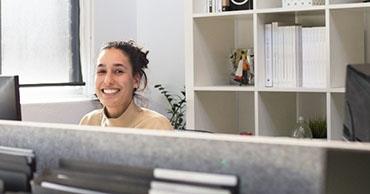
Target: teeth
{"points": [[110, 91]]}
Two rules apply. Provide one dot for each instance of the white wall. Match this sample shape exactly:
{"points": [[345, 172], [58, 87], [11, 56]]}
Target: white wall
{"points": [[160, 29], [113, 20]]}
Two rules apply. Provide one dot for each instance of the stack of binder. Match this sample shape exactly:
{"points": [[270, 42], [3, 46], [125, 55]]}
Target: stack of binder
{"points": [[295, 56], [95, 178], [16, 169]]}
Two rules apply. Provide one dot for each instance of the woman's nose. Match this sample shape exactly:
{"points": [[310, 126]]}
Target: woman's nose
{"points": [[108, 80]]}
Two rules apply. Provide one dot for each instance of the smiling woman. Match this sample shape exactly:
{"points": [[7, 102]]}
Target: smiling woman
{"points": [[119, 72]]}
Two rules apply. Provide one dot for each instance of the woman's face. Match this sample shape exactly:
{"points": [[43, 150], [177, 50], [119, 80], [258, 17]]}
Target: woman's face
{"points": [[114, 82]]}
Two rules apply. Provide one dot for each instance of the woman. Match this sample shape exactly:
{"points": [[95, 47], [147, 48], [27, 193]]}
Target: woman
{"points": [[119, 72]]}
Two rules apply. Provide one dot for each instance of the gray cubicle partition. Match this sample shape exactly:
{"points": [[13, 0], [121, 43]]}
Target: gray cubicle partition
{"points": [[264, 165]]}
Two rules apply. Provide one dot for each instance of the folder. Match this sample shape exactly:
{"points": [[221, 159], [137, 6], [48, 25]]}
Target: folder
{"points": [[112, 169], [211, 180], [159, 186], [14, 181], [14, 167], [69, 174], [67, 182], [76, 182], [27, 153], [13, 159]]}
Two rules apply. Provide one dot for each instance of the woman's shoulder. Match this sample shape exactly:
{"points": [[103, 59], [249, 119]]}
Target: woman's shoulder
{"points": [[92, 118], [154, 119], [151, 113]]}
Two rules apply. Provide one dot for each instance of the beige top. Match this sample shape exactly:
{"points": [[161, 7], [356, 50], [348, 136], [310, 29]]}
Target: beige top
{"points": [[133, 117]]}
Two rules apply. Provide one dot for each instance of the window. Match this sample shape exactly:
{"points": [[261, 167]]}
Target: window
{"points": [[40, 41]]}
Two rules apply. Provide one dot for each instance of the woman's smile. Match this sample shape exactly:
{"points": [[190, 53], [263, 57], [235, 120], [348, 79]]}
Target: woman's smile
{"points": [[110, 91]]}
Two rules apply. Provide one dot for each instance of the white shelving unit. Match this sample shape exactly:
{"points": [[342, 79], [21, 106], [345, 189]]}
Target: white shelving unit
{"points": [[214, 105]]}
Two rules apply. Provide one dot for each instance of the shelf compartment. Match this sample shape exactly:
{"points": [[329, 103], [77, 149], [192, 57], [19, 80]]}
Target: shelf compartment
{"points": [[278, 111], [337, 115], [306, 18], [224, 112], [311, 105], [347, 2], [347, 43], [214, 39]]}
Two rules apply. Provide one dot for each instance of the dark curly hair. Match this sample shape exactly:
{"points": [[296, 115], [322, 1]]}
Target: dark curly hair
{"points": [[137, 57]]}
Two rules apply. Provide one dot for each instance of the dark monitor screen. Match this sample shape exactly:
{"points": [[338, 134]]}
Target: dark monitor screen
{"points": [[10, 108], [357, 103]]}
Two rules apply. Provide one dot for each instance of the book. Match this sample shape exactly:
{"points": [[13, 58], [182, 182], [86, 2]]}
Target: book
{"points": [[298, 59], [225, 5], [268, 55], [275, 54], [314, 57]]}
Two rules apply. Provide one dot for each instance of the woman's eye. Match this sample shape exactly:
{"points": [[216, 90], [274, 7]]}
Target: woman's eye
{"points": [[118, 71], [101, 72]]}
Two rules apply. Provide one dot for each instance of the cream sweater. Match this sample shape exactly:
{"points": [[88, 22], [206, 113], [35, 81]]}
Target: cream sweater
{"points": [[133, 117]]}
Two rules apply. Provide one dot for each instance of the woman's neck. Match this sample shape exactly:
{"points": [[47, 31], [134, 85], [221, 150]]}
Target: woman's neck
{"points": [[115, 112]]}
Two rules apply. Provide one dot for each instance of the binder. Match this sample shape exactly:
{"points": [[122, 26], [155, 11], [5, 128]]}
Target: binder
{"points": [[157, 186], [2, 186], [26, 153], [14, 181], [275, 54], [13, 159], [76, 184], [14, 167], [69, 174], [210, 180], [72, 181], [37, 188], [268, 55], [111, 169]]}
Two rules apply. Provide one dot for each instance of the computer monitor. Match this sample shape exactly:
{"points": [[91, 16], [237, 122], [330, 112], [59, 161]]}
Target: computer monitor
{"points": [[356, 126], [10, 108]]}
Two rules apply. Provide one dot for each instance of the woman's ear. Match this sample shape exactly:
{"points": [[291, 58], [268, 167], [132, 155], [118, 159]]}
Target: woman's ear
{"points": [[137, 79]]}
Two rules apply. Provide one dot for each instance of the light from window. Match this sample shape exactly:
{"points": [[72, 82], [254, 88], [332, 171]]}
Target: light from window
{"points": [[39, 40]]}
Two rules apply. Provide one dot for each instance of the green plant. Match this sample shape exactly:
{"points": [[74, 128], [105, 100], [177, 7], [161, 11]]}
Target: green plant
{"points": [[177, 107], [318, 127]]}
